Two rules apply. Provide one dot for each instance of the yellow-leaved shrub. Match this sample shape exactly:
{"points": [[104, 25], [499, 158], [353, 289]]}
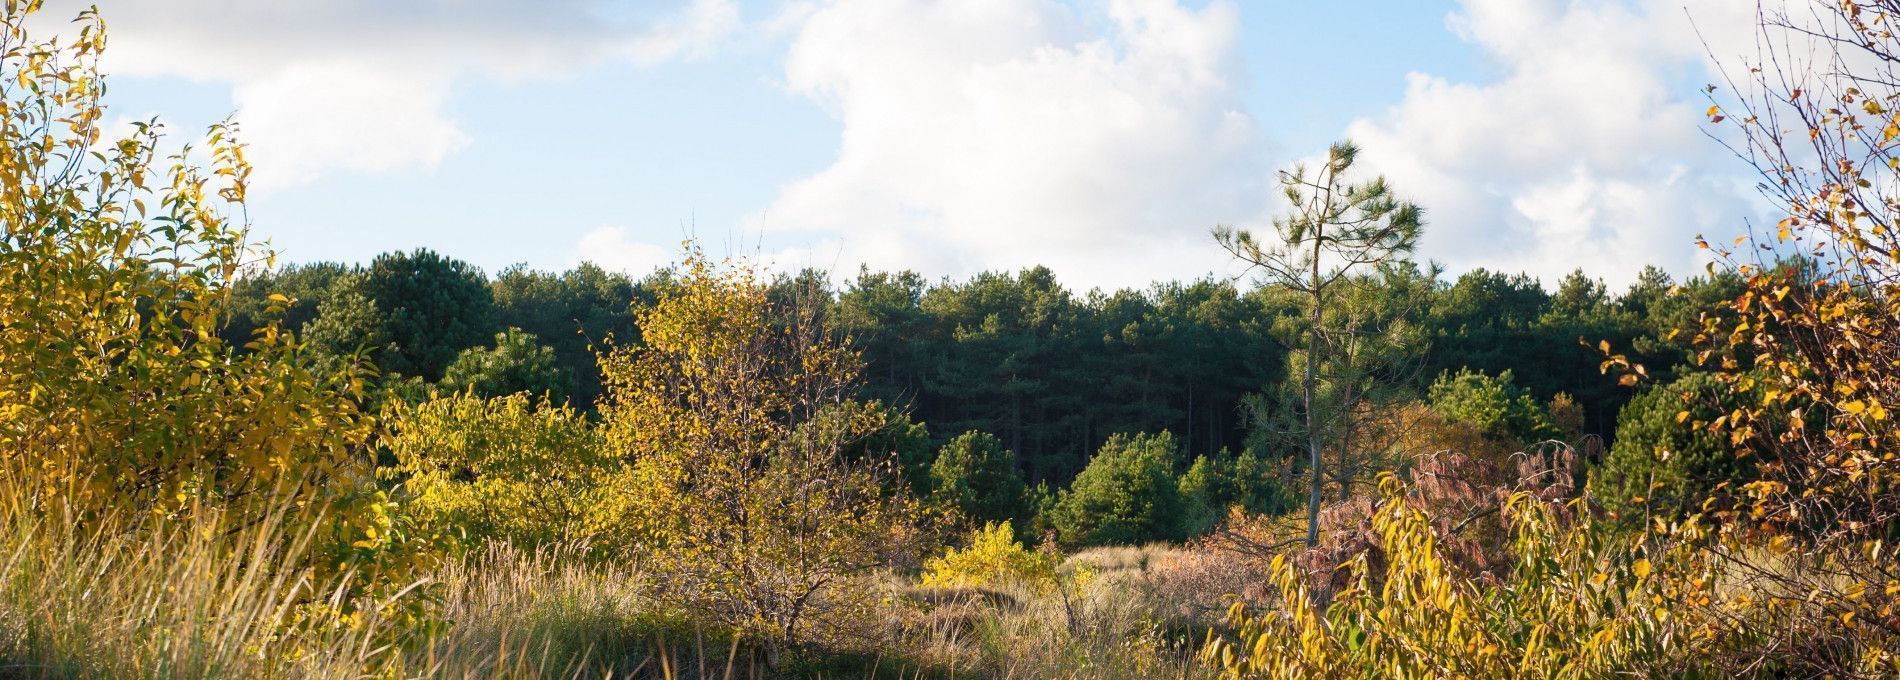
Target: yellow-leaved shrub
{"points": [[116, 394], [517, 469], [736, 417], [1576, 603], [993, 558]]}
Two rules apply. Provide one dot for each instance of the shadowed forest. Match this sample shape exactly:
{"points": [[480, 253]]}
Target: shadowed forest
{"points": [[1050, 372], [1343, 463]]}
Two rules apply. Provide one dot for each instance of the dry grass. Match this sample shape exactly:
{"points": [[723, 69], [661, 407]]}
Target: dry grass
{"points": [[1110, 625], [170, 599], [1112, 561], [139, 600], [156, 598]]}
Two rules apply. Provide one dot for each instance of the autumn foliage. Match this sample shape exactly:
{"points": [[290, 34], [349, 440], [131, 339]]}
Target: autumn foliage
{"points": [[734, 417], [181, 499], [116, 394]]}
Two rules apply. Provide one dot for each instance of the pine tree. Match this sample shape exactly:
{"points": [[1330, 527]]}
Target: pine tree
{"points": [[1338, 229]]}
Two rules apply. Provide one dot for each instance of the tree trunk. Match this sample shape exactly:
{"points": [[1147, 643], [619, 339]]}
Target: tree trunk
{"points": [[1188, 445], [1309, 385], [1349, 464]]}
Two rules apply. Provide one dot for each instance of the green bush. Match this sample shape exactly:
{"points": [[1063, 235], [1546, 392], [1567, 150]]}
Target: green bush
{"points": [[1494, 404], [905, 441], [515, 468], [1664, 457], [1212, 485], [1126, 495], [975, 475], [517, 363]]}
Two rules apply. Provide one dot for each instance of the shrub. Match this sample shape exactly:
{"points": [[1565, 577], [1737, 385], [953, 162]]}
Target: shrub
{"points": [[975, 475], [1425, 432], [992, 558], [735, 416], [1127, 494], [1041, 501], [1205, 490], [1464, 497], [1212, 486], [517, 469], [1203, 578], [1576, 603], [517, 363], [1493, 404], [1665, 458], [1566, 414], [117, 396]]}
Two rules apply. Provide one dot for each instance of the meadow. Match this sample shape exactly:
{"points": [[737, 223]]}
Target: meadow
{"points": [[1350, 466]]}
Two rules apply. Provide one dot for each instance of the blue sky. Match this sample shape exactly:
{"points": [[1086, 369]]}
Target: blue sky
{"points": [[1101, 137]]}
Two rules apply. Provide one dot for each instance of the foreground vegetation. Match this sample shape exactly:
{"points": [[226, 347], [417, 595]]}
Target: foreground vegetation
{"points": [[206, 477]]}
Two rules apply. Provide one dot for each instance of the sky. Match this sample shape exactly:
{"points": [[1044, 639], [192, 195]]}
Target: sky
{"points": [[1102, 138]]}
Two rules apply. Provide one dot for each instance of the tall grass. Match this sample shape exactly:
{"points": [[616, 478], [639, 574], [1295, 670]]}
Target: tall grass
{"points": [[201, 595], [1109, 624], [553, 612], [160, 598], [153, 597]]}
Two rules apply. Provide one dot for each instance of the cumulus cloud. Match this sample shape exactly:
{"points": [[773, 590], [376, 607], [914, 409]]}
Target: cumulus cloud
{"points": [[361, 84], [1103, 139], [614, 249], [1584, 151], [309, 118], [691, 33]]}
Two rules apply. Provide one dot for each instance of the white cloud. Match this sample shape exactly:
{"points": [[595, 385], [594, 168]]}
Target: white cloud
{"points": [[313, 117], [1103, 140], [361, 84], [614, 250], [690, 34], [1584, 152]]}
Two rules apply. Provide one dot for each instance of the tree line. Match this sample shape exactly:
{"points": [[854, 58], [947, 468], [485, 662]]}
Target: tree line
{"points": [[409, 468], [1050, 372]]}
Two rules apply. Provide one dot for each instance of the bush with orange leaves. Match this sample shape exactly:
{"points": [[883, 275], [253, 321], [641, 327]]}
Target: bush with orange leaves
{"points": [[1811, 347], [1815, 337], [1463, 497], [1569, 597], [1569, 602]]}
